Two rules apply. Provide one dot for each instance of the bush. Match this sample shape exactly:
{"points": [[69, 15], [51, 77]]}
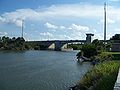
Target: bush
{"points": [[105, 57], [89, 50], [102, 57], [98, 77]]}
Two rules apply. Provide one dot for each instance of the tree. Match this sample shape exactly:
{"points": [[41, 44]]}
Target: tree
{"points": [[116, 37], [7, 43], [99, 45], [89, 50]]}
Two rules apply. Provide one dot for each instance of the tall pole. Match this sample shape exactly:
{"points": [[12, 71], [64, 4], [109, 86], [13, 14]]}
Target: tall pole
{"points": [[105, 22], [22, 28]]}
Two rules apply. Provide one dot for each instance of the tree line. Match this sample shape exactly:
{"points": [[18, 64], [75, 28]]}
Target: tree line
{"points": [[18, 44]]}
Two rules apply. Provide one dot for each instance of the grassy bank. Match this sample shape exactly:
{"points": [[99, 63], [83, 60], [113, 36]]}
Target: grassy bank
{"points": [[100, 77], [116, 55]]}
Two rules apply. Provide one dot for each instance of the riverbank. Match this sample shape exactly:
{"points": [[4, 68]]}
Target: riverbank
{"points": [[100, 77]]}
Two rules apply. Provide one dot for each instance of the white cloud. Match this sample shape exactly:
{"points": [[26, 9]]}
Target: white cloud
{"points": [[50, 26], [62, 27], [17, 22], [64, 37], [114, 0], [2, 19], [94, 30], [71, 27], [22, 14], [54, 27], [46, 34], [109, 21], [98, 36], [117, 30], [3, 33], [78, 27], [66, 10], [61, 12]]}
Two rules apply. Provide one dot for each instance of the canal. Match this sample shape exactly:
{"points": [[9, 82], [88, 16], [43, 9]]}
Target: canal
{"points": [[40, 70]]}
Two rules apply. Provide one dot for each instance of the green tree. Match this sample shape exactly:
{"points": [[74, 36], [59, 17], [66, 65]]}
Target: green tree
{"points": [[7, 43], [89, 50]]}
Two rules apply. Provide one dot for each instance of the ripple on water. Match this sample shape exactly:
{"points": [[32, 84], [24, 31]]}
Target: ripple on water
{"points": [[39, 70]]}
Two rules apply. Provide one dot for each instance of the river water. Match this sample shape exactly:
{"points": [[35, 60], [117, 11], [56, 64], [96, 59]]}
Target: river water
{"points": [[40, 70]]}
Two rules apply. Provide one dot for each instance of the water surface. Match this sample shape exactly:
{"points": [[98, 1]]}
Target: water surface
{"points": [[39, 70]]}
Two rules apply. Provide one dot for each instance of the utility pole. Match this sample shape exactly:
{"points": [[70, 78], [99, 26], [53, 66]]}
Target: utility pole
{"points": [[105, 23], [105, 27], [22, 27]]}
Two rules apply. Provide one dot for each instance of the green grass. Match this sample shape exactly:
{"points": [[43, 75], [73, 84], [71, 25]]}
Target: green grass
{"points": [[100, 77], [116, 55]]}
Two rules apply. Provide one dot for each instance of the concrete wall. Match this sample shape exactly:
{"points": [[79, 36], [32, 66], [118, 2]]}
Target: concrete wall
{"points": [[51, 46], [117, 84]]}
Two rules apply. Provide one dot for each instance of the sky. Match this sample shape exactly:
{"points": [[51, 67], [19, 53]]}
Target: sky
{"points": [[58, 19]]}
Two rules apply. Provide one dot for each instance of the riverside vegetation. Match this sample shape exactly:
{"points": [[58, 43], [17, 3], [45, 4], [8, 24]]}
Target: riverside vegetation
{"points": [[99, 77], [103, 74], [17, 44], [7, 43]]}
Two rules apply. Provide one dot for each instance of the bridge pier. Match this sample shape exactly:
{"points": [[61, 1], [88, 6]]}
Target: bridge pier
{"points": [[60, 45]]}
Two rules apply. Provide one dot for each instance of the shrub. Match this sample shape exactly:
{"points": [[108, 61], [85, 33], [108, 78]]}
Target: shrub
{"points": [[89, 50], [99, 76]]}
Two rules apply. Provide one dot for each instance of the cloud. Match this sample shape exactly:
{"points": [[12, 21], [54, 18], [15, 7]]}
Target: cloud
{"points": [[62, 27], [61, 11], [71, 27], [98, 36], [63, 37], [21, 13], [60, 14], [46, 34], [54, 27], [70, 32], [94, 30], [50, 26], [2, 19], [55, 11], [109, 21], [17, 22], [117, 30], [3, 33], [65, 10], [114, 0], [78, 27]]}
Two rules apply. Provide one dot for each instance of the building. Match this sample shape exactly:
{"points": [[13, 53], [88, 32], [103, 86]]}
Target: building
{"points": [[115, 43]]}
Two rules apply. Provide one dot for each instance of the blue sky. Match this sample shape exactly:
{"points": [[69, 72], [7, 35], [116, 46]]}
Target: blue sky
{"points": [[58, 19]]}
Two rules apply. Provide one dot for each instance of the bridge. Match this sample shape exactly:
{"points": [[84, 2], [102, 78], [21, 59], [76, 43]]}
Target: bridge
{"points": [[60, 45]]}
